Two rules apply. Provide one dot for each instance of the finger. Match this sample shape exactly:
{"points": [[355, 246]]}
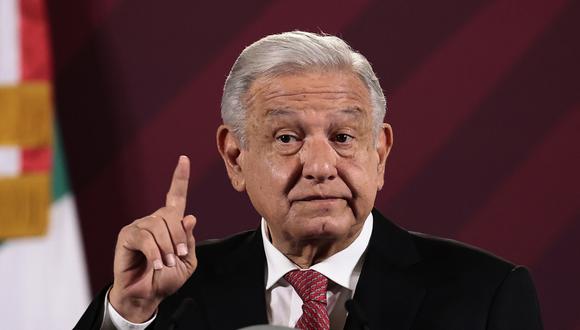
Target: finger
{"points": [[157, 227], [142, 240], [173, 222], [177, 194], [189, 223], [176, 232]]}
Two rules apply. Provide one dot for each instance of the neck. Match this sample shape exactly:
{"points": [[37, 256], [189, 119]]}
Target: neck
{"points": [[309, 252], [307, 255]]}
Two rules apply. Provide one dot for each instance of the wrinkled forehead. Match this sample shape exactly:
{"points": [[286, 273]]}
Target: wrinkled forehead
{"points": [[333, 90]]}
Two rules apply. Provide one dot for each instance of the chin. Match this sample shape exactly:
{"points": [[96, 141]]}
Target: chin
{"points": [[324, 228]]}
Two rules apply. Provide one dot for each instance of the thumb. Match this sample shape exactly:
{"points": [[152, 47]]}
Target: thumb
{"points": [[188, 225]]}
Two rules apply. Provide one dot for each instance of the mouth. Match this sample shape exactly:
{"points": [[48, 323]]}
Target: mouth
{"points": [[318, 198]]}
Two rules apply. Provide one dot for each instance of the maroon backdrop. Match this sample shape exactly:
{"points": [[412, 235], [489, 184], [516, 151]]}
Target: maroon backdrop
{"points": [[483, 97]]}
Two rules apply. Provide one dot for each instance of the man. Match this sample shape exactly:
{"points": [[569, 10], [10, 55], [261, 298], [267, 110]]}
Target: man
{"points": [[303, 135]]}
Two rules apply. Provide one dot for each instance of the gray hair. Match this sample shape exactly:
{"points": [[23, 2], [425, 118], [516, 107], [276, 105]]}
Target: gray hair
{"points": [[293, 52]]}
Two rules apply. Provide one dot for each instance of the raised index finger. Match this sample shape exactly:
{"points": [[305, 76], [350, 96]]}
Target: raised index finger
{"points": [[177, 194]]}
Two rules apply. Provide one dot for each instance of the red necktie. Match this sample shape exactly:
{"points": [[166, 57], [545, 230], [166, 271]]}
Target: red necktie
{"points": [[311, 287]]}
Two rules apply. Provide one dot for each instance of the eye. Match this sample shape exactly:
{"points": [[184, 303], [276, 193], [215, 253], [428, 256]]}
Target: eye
{"points": [[286, 138], [342, 138]]}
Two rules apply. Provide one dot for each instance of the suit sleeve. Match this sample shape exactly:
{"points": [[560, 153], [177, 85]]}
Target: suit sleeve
{"points": [[93, 316], [93, 319], [515, 305]]}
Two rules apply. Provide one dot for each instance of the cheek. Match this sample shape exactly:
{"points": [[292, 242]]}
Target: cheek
{"points": [[271, 174], [275, 169], [362, 181], [360, 174]]}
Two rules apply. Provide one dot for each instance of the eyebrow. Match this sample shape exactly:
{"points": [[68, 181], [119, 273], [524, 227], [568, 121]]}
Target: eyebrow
{"points": [[279, 112], [287, 111], [355, 111]]}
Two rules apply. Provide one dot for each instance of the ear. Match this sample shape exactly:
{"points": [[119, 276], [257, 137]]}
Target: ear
{"points": [[384, 145], [230, 149]]}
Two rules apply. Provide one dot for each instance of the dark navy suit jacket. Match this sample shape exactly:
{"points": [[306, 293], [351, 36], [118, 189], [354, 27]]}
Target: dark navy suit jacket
{"points": [[409, 281]]}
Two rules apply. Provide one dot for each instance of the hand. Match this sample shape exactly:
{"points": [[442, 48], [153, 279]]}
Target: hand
{"points": [[155, 255]]}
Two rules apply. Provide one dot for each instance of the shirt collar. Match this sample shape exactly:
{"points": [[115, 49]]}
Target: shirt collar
{"points": [[338, 267]]}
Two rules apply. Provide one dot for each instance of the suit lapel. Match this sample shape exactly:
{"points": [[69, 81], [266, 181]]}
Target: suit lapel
{"points": [[235, 297], [388, 293]]}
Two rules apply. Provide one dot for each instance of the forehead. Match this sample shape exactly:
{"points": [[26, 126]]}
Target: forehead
{"points": [[318, 90]]}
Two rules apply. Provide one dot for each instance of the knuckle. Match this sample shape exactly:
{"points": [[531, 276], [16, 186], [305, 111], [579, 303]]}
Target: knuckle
{"points": [[180, 233], [144, 235], [176, 229], [178, 199], [154, 224], [171, 209], [124, 230], [138, 221], [149, 245], [147, 237], [160, 212], [169, 196]]}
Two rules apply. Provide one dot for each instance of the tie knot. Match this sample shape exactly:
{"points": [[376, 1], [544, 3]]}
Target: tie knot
{"points": [[309, 284]]}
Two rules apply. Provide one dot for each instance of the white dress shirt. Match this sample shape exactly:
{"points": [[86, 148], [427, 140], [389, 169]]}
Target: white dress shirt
{"points": [[342, 269], [284, 305]]}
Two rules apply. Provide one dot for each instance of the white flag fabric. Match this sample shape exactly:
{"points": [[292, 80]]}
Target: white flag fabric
{"points": [[43, 275]]}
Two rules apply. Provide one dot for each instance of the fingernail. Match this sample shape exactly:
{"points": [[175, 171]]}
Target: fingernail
{"points": [[181, 249], [157, 264], [170, 259]]}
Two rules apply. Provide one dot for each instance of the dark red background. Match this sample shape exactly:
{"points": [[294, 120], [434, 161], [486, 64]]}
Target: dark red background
{"points": [[483, 97]]}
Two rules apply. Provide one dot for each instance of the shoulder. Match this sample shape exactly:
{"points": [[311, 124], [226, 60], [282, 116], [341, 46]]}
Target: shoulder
{"points": [[463, 279], [452, 267], [443, 265], [436, 258], [457, 255]]}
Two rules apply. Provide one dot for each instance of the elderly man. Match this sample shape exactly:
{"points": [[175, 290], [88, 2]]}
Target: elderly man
{"points": [[303, 135]]}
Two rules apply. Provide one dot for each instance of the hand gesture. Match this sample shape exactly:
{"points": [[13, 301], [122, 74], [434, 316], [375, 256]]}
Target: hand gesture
{"points": [[155, 255]]}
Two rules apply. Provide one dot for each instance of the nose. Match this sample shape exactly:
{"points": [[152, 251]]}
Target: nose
{"points": [[318, 160]]}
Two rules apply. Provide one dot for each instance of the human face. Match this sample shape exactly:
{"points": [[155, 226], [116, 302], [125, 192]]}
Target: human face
{"points": [[311, 166]]}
